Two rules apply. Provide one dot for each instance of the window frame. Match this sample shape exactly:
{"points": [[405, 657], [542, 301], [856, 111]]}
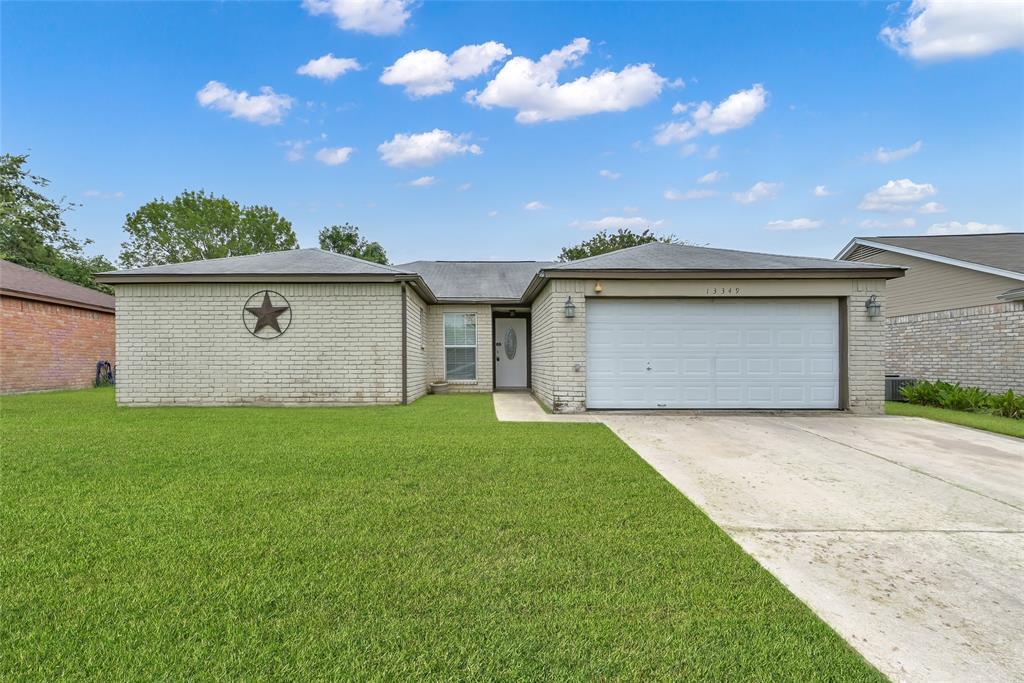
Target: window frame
{"points": [[475, 346]]}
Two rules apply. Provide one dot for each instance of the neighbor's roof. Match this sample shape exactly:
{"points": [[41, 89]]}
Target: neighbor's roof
{"points": [[25, 283], [477, 280], [276, 263], [997, 253], [662, 257]]}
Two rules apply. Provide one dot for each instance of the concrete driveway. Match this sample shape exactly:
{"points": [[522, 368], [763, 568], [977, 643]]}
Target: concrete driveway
{"points": [[902, 533]]}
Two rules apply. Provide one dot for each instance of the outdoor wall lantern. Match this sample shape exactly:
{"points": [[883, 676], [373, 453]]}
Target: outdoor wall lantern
{"points": [[570, 308], [873, 307]]}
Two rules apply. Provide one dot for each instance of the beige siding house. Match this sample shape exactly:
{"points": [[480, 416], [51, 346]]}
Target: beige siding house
{"points": [[660, 326], [958, 314]]}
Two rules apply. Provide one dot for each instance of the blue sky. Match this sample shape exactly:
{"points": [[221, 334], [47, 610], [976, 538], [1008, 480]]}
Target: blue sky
{"points": [[109, 100]]}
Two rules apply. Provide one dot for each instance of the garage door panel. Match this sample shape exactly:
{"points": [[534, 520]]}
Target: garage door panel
{"points": [[703, 353]]}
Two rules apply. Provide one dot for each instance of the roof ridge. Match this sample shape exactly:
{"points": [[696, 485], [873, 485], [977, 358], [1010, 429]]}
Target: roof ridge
{"points": [[973, 234], [352, 258]]}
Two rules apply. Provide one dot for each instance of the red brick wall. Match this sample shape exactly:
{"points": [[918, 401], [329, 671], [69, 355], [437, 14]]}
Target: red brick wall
{"points": [[49, 346]]}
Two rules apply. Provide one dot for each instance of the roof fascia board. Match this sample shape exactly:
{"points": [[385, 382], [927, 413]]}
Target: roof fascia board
{"points": [[885, 272], [927, 256]]}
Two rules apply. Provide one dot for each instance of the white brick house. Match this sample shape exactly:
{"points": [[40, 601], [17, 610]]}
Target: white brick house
{"points": [[655, 326]]}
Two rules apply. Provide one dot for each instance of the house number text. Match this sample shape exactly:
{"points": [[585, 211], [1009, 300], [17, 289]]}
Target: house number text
{"points": [[723, 290]]}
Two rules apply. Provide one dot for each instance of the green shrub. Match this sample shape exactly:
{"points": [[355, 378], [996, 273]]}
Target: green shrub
{"points": [[956, 397], [976, 399], [922, 393], [1007, 404]]}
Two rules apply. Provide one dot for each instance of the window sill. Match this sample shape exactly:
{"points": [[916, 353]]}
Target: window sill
{"points": [[461, 381]]}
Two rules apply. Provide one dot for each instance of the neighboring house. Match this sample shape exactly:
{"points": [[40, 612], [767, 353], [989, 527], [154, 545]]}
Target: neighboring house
{"points": [[52, 332], [958, 315], [654, 326]]}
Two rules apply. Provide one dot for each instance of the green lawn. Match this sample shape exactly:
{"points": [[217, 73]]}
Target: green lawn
{"points": [[427, 542], [990, 423]]}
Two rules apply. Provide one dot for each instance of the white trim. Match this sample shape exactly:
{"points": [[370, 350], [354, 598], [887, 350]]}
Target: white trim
{"points": [[475, 346], [858, 241]]}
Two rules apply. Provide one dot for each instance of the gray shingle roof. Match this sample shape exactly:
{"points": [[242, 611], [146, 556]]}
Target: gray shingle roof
{"points": [[291, 262], [667, 257], [1000, 250], [26, 283], [483, 280]]}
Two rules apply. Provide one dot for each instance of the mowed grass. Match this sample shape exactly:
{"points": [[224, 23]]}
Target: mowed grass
{"points": [[986, 421], [428, 542]]}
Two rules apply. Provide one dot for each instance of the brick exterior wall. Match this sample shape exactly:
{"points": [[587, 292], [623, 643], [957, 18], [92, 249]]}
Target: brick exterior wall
{"points": [[48, 346], [560, 350], [416, 346], [187, 344], [865, 356], [484, 347], [559, 347], [980, 346]]}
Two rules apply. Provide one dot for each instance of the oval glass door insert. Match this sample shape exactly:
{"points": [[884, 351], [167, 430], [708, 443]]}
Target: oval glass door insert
{"points": [[510, 343]]}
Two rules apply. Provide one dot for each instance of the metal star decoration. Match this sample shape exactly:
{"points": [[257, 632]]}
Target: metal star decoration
{"points": [[266, 314]]}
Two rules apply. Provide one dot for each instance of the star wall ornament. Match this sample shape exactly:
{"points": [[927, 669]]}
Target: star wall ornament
{"points": [[267, 314]]}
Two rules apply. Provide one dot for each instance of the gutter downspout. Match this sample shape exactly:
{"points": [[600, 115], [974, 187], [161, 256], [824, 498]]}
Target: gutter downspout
{"points": [[405, 344]]}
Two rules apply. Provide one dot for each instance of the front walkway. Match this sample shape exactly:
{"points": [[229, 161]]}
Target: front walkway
{"points": [[520, 406], [904, 534]]}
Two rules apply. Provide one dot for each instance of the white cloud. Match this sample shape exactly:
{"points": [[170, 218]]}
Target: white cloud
{"points": [[99, 194], [759, 191], [679, 108], [424, 149], [872, 224], [712, 152], [265, 109], [333, 156], [712, 177], [935, 30], [492, 214], [896, 195], [610, 175], [822, 191], [885, 156], [533, 89], [328, 67], [968, 228], [618, 222], [794, 224], [736, 111], [428, 72], [535, 206], [463, 187], [677, 196], [377, 17], [932, 207], [688, 150], [295, 150], [424, 181]]}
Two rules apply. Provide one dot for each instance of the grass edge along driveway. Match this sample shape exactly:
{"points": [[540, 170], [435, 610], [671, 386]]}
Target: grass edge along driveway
{"points": [[427, 541], [984, 421]]}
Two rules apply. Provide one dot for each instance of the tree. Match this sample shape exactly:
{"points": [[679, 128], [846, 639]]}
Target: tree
{"points": [[603, 242], [195, 226], [345, 239], [33, 232]]}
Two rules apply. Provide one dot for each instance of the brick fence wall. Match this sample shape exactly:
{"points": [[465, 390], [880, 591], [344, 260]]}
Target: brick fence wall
{"points": [[981, 346], [49, 346]]}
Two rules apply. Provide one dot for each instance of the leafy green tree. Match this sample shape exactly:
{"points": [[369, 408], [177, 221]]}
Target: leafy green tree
{"points": [[195, 226], [32, 228], [604, 241], [345, 239]]}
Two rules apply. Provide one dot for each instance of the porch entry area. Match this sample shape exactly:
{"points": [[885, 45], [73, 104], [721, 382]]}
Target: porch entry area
{"points": [[511, 350]]}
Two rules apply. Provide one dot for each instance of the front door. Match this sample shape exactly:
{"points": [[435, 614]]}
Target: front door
{"points": [[510, 353]]}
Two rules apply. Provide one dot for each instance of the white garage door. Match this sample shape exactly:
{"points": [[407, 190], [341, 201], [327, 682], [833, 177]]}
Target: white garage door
{"points": [[713, 353]]}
